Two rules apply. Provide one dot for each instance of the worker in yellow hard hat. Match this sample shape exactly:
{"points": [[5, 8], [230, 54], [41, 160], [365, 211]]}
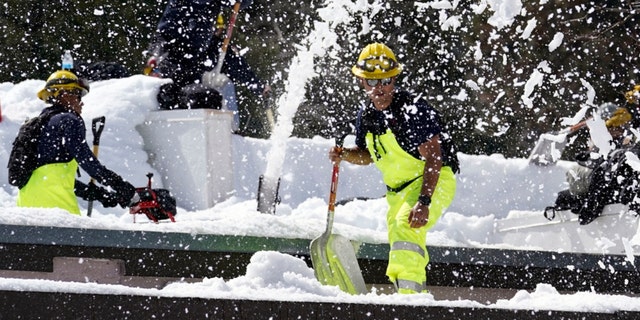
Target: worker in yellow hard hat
{"points": [[61, 150], [404, 137], [596, 179]]}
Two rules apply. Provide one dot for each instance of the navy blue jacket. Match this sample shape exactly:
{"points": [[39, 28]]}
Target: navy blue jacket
{"points": [[186, 41], [185, 31], [64, 139]]}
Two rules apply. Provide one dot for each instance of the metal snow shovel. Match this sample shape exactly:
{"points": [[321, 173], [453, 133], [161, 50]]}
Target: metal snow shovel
{"points": [[333, 257], [216, 79], [96, 127], [549, 147]]}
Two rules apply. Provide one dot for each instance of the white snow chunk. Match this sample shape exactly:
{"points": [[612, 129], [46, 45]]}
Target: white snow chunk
{"points": [[504, 12], [477, 53], [452, 23], [599, 135], [462, 95], [632, 160], [576, 118], [534, 80], [472, 85], [531, 24], [591, 93], [556, 42]]}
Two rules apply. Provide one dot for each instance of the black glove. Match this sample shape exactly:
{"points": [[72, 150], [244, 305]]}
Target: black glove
{"points": [[108, 199], [89, 192], [125, 192], [92, 192]]}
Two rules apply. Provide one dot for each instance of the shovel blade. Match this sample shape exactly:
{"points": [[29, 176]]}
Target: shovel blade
{"points": [[548, 149], [215, 80], [268, 194], [335, 263]]}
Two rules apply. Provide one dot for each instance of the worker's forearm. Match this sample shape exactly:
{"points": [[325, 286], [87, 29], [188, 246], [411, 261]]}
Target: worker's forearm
{"points": [[430, 177], [356, 156]]}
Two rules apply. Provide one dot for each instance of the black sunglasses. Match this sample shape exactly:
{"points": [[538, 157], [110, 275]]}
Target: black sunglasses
{"points": [[375, 82]]}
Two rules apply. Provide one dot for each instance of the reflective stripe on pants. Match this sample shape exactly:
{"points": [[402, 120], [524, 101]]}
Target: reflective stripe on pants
{"points": [[406, 286]]}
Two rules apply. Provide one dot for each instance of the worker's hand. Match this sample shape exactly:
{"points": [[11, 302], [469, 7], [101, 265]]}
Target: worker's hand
{"points": [[108, 199], [97, 193], [419, 216], [92, 192], [126, 193], [335, 154]]}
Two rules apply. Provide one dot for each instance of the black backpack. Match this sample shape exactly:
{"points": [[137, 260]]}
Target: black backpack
{"points": [[24, 154]]}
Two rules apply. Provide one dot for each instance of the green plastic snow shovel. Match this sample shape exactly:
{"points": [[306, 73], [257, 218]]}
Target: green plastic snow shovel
{"points": [[333, 256]]}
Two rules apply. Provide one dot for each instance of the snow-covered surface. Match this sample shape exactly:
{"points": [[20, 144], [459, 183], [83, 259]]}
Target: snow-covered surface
{"points": [[492, 192]]}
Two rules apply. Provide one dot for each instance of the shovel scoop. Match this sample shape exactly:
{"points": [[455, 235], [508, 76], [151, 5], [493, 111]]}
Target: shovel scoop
{"points": [[548, 149], [550, 145], [215, 80]]}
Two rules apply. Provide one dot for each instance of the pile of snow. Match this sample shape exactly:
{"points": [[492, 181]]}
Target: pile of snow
{"points": [[490, 189]]}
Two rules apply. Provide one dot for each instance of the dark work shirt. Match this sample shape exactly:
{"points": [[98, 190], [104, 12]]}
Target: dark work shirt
{"points": [[185, 31], [413, 122]]}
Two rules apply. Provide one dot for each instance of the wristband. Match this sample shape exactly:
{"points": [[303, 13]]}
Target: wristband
{"points": [[424, 200]]}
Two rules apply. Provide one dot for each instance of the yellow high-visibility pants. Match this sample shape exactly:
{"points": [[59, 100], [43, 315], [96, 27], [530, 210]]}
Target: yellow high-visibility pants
{"points": [[408, 256]]}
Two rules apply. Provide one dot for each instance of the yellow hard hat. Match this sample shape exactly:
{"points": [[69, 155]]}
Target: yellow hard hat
{"points": [[62, 80], [633, 95], [376, 61], [618, 118], [220, 22]]}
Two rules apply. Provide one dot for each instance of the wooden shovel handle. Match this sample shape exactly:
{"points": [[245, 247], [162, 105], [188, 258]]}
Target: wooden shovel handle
{"points": [[334, 178], [232, 22], [577, 126]]}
